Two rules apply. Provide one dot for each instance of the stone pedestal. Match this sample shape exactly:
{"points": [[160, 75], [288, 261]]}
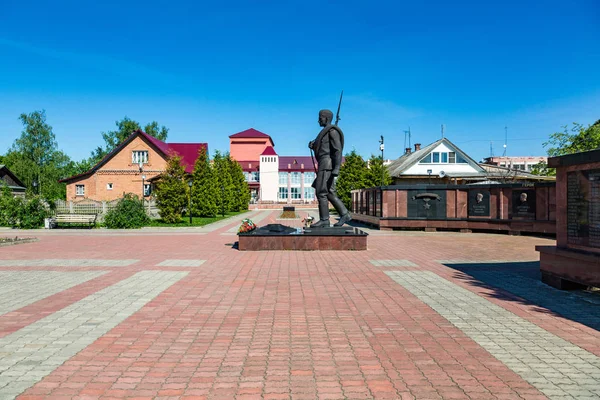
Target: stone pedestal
{"points": [[281, 237], [575, 260]]}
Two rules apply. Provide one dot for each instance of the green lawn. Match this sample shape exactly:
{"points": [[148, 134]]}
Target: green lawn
{"points": [[196, 221]]}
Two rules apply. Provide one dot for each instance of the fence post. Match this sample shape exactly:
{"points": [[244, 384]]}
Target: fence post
{"points": [[104, 207], [70, 206]]}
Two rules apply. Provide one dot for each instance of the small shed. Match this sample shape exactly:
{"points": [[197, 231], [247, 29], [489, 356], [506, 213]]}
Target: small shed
{"points": [[14, 184]]}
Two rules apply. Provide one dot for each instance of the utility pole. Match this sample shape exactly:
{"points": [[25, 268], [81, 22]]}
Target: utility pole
{"points": [[381, 147], [505, 140]]}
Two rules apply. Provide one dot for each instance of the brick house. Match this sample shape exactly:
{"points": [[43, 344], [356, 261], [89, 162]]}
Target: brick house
{"points": [[14, 184], [119, 171]]}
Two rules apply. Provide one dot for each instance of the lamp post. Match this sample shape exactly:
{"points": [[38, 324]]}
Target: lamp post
{"points": [[190, 183], [381, 146], [429, 173], [34, 184]]}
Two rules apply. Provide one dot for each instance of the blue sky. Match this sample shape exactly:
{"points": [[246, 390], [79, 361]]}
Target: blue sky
{"points": [[207, 71]]}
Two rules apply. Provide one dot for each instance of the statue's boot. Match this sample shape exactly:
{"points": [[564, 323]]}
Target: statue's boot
{"points": [[343, 219], [323, 215]]}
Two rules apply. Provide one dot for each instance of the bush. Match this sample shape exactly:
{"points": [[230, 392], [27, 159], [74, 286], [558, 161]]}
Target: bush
{"points": [[128, 214], [17, 212]]}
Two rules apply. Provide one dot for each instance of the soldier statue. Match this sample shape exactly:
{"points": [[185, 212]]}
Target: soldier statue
{"points": [[328, 147]]}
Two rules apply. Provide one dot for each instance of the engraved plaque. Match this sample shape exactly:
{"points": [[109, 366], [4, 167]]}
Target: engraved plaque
{"points": [[426, 204], [523, 203], [583, 208], [479, 203]]}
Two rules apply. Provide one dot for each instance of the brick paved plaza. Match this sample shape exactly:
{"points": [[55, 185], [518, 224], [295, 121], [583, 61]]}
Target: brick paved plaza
{"points": [[161, 313]]}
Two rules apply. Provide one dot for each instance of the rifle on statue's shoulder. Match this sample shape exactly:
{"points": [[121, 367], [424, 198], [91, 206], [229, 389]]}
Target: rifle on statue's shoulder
{"points": [[337, 115]]}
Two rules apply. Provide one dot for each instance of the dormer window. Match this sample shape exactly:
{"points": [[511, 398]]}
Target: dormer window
{"points": [[437, 157], [139, 156]]}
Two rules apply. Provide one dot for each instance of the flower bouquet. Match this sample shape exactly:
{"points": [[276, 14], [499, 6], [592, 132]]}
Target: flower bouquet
{"points": [[308, 221], [247, 226]]}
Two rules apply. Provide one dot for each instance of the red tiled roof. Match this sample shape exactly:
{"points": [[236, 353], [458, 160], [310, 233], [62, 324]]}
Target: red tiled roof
{"points": [[295, 163], [188, 153], [269, 151]]}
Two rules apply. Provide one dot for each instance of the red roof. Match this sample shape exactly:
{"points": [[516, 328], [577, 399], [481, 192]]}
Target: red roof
{"points": [[269, 151], [295, 163], [188, 153], [251, 133]]}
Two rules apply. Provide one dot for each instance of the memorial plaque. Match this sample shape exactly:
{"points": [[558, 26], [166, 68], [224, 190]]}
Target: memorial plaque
{"points": [[479, 203], [523, 203], [426, 204], [583, 208]]}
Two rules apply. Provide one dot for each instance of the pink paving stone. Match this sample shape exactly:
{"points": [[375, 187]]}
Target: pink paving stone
{"points": [[273, 318]]}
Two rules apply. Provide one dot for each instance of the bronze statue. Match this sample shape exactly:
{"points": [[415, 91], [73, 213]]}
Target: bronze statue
{"points": [[328, 147]]}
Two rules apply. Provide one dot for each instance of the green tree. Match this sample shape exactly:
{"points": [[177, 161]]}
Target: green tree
{"points": [[241, 191], [376, 172], [34, 157], [128, 214], [224, 182], [125, 128], [352, 176], [204, 189], [171, 191], [571, 140]]}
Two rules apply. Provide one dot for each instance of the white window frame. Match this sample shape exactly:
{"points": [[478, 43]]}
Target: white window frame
{"points": [[79, 192], [138, 156], [109, 186]]}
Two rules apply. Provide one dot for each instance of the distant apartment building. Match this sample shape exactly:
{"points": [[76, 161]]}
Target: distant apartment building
{"points": [[520, 163]]}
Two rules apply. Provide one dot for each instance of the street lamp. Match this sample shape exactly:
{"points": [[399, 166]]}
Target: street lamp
{"points": [[381, 146], [34, 184], [190, 183]]}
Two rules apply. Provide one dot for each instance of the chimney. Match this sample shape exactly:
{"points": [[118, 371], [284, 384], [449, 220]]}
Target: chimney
{"points": [[417, 146], [408, 150]]}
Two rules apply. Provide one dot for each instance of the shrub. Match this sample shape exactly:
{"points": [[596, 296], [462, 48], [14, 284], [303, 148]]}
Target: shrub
{"points": [[128, 214], [9, 207], [31, 213]]}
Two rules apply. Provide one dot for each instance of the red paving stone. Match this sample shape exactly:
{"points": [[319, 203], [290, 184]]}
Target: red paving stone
{"points": [[278, 324]]}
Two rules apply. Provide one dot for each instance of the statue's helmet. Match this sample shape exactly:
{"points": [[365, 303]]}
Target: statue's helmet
{"points": [[327, 114]]}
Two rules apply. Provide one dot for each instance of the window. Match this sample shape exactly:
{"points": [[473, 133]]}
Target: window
{"points": [[460, 159], [80, 190], [147, 189], [426, 159], [283, 178], [444, 157], [247, 176], [109, 186], [309, 193], [296, 177], [452, 157], [309, 178], [283, 193], [255, 177], [436, 157], [139, 156], [296, 193]]}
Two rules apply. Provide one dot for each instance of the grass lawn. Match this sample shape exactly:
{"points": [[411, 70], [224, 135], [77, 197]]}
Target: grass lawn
{"points": [[196, 221]]}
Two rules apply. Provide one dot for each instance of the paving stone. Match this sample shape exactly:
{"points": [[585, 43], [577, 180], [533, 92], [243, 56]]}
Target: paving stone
{"points": [[84, 262], [108, 308], [450, 300], [393, 263], [181, 263], [21, 288]]}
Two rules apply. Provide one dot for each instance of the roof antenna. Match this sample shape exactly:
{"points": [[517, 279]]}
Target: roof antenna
{"points": [[505, 140], [443, 130], [491, 149]]}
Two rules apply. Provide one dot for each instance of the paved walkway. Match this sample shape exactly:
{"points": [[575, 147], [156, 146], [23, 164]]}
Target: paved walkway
{"points": [[160, 313]]}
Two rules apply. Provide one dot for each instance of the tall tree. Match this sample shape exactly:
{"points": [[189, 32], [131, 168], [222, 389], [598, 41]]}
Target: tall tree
{"points": [[224, 182], [241, 191], [34, 157], [571, 140], [204, 188], [125, 128], [171, 191], [377, 173], [352, 176]]}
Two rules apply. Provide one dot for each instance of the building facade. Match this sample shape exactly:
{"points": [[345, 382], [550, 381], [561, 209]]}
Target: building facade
{"points": [[129, 168], [272, 178], [519, 163]]}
